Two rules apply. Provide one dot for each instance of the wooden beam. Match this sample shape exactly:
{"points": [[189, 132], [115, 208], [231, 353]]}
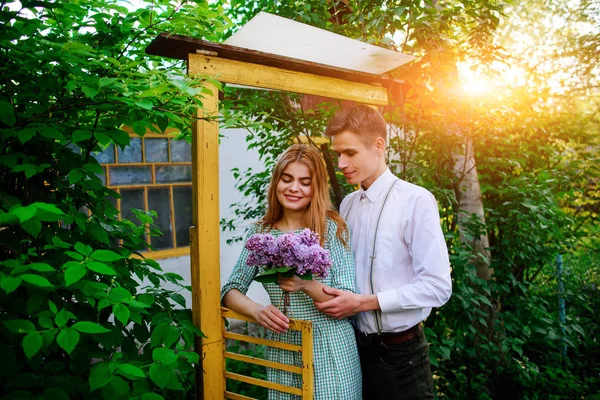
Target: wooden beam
{"points": [[205, 249], [255, 75], [263, 383], [177, 46]]}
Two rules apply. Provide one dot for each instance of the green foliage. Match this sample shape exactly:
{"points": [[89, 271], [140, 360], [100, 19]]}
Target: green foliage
{"points": [[83, 315]]}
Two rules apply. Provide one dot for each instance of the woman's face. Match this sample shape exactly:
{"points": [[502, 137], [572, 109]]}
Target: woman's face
{"points": [[294, 189]]}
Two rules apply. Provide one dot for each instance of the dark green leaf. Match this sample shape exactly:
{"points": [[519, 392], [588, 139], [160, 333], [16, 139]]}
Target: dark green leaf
{"points": [[26, 134], [131, 371], [89, 92], [75, 176], [83, 249], [74, 256], [121, 313], [24, 213], [33, 227], [89, 327], [139, 128], [80, 135], [19, 326], [100, 375], [164, 355], [106, 255], [41, 267], [160, 374], [68, 339], [7, 113], [50, 133], [9, 284], [36, 280], [152, 396], [171, 335], [100, 268], [32, 343], [146, 104], [74, 274]]}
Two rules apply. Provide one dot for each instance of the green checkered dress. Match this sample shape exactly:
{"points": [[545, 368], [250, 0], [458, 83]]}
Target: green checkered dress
{"points": [[336, 362]]}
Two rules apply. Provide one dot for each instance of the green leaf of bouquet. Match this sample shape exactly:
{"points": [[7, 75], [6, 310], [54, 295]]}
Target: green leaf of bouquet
{"points": [[307, 276], [89, 327], [131, 372], [283, 270], [32, 343], [68, 339], [266, 278]]}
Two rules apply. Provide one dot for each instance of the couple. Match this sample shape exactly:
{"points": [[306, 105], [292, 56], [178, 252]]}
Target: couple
{"points": [[389, 268]]}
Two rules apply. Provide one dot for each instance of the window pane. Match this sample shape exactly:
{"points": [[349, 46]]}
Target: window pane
{"points": [[132, 153], [107, 156], [131, 198], [182, 197], [181, 151], [159, 201], [157, 150], [173, 173], [130, 175]]}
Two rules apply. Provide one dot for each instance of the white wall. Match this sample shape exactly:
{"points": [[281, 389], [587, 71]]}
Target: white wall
{"points": [[232, 153]]}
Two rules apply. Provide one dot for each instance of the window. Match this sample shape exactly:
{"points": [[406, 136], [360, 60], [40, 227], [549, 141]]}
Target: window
{"points": [[154, 173]]}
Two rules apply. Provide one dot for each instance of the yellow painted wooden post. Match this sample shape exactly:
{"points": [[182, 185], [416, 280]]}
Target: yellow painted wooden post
{"points": [[307, 362], [205, 249]]}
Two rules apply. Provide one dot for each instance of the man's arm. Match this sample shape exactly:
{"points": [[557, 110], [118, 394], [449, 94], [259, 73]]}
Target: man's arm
{"points": [[427, 247], [346, 304]]}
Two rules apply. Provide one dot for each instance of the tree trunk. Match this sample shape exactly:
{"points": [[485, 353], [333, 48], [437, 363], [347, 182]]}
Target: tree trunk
{"points": [[470, 205]]}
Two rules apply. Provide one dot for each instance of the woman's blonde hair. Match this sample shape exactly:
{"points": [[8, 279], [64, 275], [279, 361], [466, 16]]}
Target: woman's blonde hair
{"points": [[320, 206]]}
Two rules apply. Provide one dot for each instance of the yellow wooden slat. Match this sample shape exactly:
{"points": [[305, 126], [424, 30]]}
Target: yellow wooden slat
{"points": [[206, 249], [266, 342], [263, 362], [263, 383], [307, 362], [235, 396], [255, 75]]}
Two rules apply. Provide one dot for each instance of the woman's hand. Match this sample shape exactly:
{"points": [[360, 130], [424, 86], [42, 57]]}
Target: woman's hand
{"points": [[292, 284], [271, 318]]}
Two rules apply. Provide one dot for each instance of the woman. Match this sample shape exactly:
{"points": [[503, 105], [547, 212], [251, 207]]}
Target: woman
{"points": [[298, 198]]}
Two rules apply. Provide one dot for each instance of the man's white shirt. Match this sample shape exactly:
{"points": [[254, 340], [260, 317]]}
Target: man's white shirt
{"points": [[411, 270]]}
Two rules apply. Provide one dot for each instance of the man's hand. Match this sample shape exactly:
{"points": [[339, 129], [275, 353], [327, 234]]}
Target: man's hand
{"points": [[343, 305], [271, 318]]}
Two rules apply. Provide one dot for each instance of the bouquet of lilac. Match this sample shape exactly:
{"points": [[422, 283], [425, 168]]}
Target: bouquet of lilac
{"points": [[291, 253]]}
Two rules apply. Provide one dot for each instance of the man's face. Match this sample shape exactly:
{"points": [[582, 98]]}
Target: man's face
{"points": [[358, 162]]}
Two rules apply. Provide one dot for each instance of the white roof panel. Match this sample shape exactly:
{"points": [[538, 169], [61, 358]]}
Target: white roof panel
{"points": [[277, 35]]}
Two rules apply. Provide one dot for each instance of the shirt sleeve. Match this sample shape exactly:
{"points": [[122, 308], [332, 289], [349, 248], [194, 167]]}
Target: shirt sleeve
{"points": [[427, 247], [242, 275], [343, 275]]}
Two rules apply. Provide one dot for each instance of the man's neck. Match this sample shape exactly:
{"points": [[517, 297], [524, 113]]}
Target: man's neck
{"points": [[369, 181]]}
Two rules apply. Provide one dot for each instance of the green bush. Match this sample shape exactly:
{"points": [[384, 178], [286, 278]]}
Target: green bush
{"points": [[83, 315]]}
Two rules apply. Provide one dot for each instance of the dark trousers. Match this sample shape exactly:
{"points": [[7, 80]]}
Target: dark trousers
{"points": [[396, 371]]}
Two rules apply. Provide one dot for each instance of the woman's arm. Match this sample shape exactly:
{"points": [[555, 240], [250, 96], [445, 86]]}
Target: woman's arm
{"points": [[312, 288], [267, 316]]}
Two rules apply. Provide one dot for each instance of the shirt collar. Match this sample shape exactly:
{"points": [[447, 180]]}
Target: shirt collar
{"points": [[377, 187]]}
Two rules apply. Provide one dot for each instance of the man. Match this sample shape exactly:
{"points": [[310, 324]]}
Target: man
{"points": [[402, 266]]}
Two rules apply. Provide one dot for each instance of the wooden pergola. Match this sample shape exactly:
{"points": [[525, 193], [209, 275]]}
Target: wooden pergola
{"points": [[235, 65]]}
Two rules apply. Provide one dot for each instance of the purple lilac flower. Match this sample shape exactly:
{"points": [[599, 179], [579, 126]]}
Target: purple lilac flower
{"points": [[301, 251]]}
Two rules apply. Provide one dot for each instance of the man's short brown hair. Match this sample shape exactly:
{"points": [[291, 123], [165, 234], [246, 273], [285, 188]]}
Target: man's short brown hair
{"points": [[361, 120]]}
